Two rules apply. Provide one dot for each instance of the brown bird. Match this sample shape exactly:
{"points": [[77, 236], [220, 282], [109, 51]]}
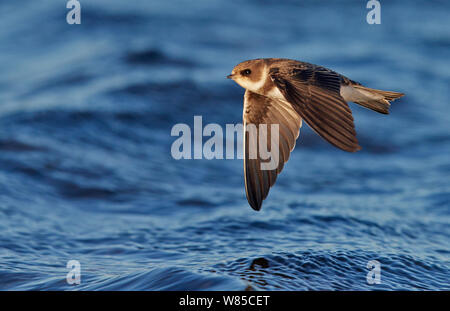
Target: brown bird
{"points": [[283, 92]]}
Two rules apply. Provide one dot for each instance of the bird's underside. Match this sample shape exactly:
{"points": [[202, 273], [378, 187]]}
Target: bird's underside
{"points": [[310, 93]]}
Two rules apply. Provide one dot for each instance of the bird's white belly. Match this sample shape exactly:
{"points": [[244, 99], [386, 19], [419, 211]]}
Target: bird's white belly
{"points": [[276, 94], [351, 94]]}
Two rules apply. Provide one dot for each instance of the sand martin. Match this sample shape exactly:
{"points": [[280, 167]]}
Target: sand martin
{"points": [[286, 92]]}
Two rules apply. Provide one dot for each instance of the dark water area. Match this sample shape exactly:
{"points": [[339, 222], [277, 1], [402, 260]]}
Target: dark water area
{"points": [[86, 171]]}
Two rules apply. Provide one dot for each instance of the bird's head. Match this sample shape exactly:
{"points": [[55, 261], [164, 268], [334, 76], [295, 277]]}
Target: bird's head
{"points": [[249, 74]]}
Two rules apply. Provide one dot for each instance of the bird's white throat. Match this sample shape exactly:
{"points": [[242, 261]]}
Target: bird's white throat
{"points": [[254, 86]]}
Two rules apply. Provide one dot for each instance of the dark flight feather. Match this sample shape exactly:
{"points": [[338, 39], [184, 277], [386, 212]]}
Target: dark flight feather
{"points": [[259, 110], [314, 92]]}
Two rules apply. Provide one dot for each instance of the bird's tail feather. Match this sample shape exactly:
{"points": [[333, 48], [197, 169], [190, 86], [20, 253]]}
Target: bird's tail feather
{"points": [[376, 100]]}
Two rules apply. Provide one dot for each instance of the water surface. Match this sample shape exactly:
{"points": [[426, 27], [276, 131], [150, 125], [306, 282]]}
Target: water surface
{"points": [[86, 171]]}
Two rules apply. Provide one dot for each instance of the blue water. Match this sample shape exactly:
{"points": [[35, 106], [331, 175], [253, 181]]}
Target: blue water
{"points": [[86, 172]]}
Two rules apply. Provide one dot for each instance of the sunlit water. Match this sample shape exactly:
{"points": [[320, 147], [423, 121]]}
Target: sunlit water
{"points": [[86, 171]]}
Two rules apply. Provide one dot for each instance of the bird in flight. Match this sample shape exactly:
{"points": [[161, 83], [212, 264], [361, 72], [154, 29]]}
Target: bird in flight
{"points": [[284, 92]]}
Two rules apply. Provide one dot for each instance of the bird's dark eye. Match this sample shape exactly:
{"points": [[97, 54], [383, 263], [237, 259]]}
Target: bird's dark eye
{"points": [[246, 72]]}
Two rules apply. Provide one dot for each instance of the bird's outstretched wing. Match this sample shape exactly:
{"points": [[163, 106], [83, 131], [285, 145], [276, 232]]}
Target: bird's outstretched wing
{"points": [[262, 116], [314, 92]]}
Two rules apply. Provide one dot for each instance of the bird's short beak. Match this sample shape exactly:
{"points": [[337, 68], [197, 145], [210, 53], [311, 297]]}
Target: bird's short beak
{"points": [[230, 76]]}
